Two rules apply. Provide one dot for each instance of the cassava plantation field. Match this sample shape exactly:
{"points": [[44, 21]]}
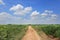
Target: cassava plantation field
{"points": [[10, 32], [50, 30], [19, 32]]}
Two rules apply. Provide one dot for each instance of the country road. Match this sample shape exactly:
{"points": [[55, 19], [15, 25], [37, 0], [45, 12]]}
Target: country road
{"points": [[31, 34]]}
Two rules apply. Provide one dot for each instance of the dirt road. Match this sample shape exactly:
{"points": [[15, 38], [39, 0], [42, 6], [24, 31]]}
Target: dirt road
{"points": [[31, 34]]}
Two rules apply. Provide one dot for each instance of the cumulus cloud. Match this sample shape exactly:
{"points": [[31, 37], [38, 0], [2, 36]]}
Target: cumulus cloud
{"points": [[16, 7], [45, 17], [44, 14], [1, 2], [34, 17], [20, 10], [48, 11], [35, 13], [6, 18], [54, 15], [48, 14]]}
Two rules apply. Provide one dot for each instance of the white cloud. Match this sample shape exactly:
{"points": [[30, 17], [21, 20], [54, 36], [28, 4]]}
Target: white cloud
{"points": [[20, 10], [54, 15], [35, 13], [34, 18], [27, 9], [44, 14], [6, 18], [1, 2], [48, 11], [16, 7], [45, 17], [48, 14]]}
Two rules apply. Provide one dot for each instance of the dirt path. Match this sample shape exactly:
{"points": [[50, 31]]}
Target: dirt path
{"points": [[31, 34]]}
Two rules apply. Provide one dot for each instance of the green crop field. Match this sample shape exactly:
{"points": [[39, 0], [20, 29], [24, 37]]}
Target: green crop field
{"points": [[10, 32], [51, 29]]}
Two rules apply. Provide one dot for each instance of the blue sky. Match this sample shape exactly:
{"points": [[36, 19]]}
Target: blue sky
{"points": [[29, 12]]}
